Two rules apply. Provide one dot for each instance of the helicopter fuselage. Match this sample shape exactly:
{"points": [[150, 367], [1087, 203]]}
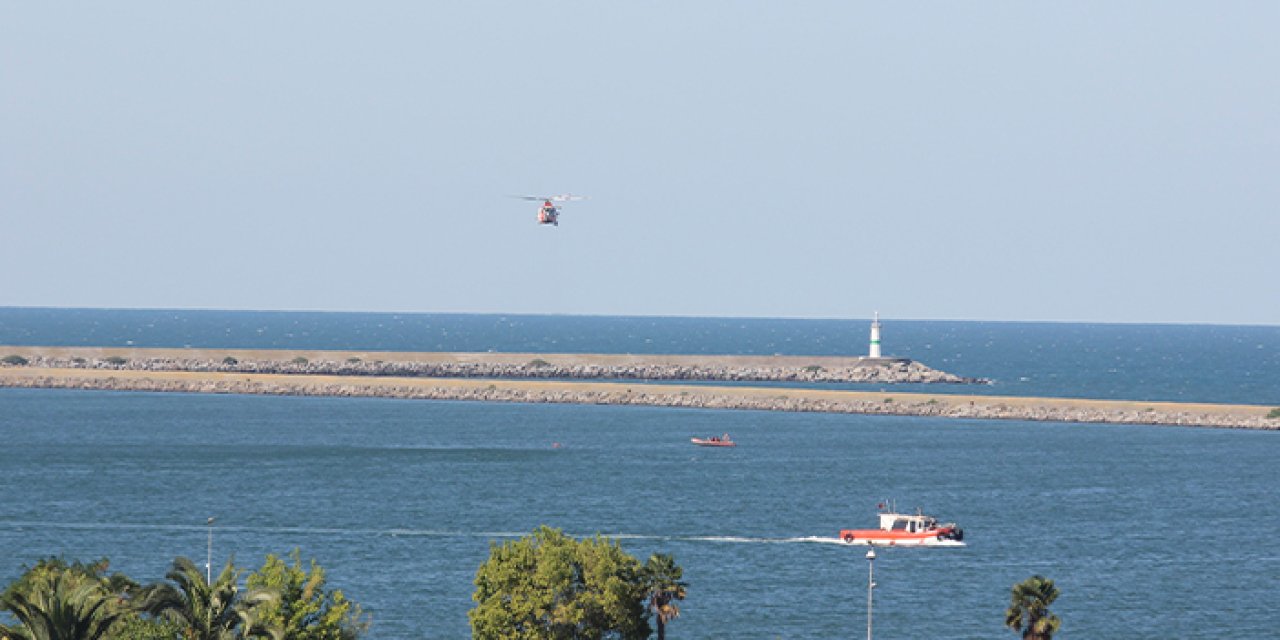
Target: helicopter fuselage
{"points": [[549, 214]]}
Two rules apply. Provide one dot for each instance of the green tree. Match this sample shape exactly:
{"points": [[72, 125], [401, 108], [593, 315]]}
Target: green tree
{"points": [[117, 587], [46, 569], [305, 610], [59, 605], [205, 611], [662, 581], [1028, 611], [136, 627], [550, 586]]}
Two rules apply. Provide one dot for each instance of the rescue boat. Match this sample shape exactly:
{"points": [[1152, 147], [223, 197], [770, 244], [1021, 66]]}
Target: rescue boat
{"points": [[714, 441], [906, 530]]}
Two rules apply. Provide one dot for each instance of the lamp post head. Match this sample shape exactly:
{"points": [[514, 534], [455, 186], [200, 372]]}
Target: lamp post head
{"points": [[871, 555], [211, 520]]}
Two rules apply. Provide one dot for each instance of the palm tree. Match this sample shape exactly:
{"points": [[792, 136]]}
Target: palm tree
{"points": [[1028, 611], [662, 583], [207, 611], [62, 607]]}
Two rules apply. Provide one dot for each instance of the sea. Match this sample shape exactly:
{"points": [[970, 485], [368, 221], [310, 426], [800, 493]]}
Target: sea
{"points": [[1148, 532]]}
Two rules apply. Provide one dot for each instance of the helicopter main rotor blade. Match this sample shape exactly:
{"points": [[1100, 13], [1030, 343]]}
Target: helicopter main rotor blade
{"points": [[564, 197]]}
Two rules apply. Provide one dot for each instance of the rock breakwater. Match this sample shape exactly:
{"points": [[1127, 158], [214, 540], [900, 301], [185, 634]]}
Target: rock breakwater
{"points": [[703, 397], [545, 366]]}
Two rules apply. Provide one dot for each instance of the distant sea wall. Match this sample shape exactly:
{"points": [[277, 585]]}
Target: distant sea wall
{"points": [[661, 395], [816, 369]]}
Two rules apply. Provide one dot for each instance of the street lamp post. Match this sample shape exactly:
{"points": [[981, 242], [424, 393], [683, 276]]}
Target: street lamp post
{"points": [[871, 584], [208, 562]]}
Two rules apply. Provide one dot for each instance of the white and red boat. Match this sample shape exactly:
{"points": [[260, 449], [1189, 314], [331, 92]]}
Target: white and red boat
{"points": [[714, 441], [906, 530]]}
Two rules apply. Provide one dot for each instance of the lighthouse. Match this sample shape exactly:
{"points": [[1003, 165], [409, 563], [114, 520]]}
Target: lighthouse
{"points": [[875, 337]]}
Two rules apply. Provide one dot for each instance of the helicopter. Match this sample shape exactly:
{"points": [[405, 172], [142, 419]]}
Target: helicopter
{"points": [[549, 213]]}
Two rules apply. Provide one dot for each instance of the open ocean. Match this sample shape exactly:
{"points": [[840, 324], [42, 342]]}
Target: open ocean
{"points": [[1148, 531]]}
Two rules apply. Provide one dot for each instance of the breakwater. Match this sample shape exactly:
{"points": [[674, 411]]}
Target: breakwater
{"points": [[663, 395], [808, 369]]}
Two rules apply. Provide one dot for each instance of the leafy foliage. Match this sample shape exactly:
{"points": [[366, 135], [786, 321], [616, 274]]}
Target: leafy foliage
{"points": [[551, 586], [1028, 611], [117, 588], [662, 581], [230, 361], [115, 360], [136, 627], [15, 360], [207, 611], [1275, 413], [305, 610], [49, 568], [56, 601]]}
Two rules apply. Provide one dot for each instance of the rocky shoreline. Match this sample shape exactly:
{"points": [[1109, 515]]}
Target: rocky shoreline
{"points": [[702, 397], [549, 366]]}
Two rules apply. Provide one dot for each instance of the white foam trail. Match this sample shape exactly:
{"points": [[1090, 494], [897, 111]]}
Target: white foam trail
{"points": [[423, 533], [820, 540], [721, 539], [750, 540]]}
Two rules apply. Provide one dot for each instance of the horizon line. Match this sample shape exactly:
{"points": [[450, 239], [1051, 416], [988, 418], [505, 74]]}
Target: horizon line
{"points": [[641, 315]]}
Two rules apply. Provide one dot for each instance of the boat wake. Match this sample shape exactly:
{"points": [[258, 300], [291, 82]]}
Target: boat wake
{"points": [[751, 540], [421, 533]]}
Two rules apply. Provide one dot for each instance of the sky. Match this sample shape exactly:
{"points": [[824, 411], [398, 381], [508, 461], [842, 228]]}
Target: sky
{"points": [[1082, 161]]}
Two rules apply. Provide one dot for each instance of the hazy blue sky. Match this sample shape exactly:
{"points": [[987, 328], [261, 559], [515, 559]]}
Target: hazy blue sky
{"points": [[1104, 161]]}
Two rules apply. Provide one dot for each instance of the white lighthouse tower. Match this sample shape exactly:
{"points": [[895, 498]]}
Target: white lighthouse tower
{"points": [[875, 337]]}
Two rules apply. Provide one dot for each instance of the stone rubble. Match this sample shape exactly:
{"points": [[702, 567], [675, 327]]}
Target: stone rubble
{"points": [[886, 371], [709, 399]]}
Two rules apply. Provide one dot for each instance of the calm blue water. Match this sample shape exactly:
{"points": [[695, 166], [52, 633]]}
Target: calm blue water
{"points": [[400, 499]]}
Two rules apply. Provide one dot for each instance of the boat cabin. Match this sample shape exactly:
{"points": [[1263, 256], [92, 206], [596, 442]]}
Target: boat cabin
{"points": [[907, 523]]}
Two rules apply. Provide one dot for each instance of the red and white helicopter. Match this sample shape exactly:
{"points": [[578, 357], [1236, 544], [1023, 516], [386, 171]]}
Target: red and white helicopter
{"points": [[549, 213]]}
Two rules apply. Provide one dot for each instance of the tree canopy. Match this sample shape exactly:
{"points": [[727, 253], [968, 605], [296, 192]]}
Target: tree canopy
{"points": [[550, 586], [664, 585], [61, 606], [208, 611], [1028, 611], [56, 600], [305, 610]]}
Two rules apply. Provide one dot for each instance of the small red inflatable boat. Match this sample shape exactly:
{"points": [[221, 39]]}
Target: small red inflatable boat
{"points": [[715, 441]]}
